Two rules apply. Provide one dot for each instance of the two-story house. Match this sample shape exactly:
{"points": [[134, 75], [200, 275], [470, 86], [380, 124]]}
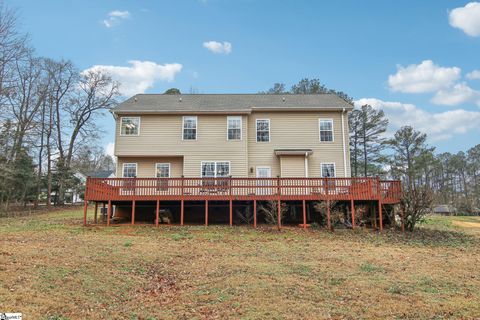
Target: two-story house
{"points": [[232, 149], [238, 135]]}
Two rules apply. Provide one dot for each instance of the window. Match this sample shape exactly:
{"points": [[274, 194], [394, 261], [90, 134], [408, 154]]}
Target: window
{"points": [[326, 130], [234, 127], [328, 170], [129, 170], [263, 130], [162, 170], [189, 128], [215, 169], [130, 126]]}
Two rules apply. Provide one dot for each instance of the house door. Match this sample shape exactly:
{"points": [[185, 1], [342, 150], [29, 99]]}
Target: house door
{"points": [[264, 172]]}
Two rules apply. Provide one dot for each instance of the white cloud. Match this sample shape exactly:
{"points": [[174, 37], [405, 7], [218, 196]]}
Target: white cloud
{"points": [[140, 76], [115, 17], [475, 74], [218, 47], [458, 94], [466, 18], [423, 77], [438, 126], [109, 149]]}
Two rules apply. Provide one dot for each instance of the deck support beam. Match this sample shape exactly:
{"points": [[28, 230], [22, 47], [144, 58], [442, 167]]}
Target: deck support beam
{"points": [[133, 212], [181, 212], [103, 210], [255, 213], [206, 212], [109, 212], [96, 212], [304, 210], [157, 214], [380, 215], [352, 207], [231, 213], [85, 206], [329, 222]]}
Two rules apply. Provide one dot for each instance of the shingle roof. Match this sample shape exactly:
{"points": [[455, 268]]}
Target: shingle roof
{"points": [[100, 173], [231, 103]]}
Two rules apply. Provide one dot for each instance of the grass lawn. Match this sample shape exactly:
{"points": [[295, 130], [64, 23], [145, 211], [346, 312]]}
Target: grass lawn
{"points": [[53, 268]]}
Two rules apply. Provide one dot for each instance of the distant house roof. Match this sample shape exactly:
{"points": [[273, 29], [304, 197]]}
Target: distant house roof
{"points": [[229, 103], [444, 209], [101, 174]]}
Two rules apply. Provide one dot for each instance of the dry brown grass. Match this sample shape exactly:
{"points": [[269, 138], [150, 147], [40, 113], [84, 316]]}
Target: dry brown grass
{"points": [[52, 268]]}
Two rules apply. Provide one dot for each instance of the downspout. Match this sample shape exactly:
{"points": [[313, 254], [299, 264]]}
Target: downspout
{"points": [[306, 164], [344, 147]]}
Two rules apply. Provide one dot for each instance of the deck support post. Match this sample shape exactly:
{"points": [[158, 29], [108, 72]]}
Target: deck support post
{"points": [[133, 212], [85, 205], [181, 212], [231, 213], [109, 212], [103, 210], [279, 214], [352, 206], [206, 212], [329, 222], [380, 216], [157, 214], [304, 210], [254, 213], [96, 212]]}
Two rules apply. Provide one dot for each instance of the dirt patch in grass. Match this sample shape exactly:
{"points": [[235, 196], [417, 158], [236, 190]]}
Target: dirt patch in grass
{"points": [[53, 268], [465, 224]]}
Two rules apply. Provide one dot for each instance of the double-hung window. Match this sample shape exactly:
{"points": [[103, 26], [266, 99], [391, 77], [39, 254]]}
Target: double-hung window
{"points": [[234, 128], [129, 126], [328, 170], [162, 170], [326, 130], [129, 170], [189, 128], [263, 130]]}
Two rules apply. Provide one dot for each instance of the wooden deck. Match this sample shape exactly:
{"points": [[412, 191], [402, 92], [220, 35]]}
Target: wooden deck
{"points": [[151, 189], [111, 190]]}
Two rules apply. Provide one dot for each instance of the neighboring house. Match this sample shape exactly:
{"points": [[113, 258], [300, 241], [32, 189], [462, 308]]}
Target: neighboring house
{"points": [[238, 135], [444, 210], [102, 174]]}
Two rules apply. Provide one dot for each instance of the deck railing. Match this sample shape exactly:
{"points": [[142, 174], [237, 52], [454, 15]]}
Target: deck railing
{"points": [[103, 189]]}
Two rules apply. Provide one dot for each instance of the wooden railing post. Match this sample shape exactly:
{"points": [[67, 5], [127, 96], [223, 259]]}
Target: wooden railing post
{"points": [[380, 215]]}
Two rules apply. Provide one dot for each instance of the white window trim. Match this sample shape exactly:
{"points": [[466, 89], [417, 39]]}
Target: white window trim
{"points": [[156, 165], [319, 134], [123, 169], [334, 169], [269, 131], [241, 127], [130, 135], [196, 127], [215, 161]]}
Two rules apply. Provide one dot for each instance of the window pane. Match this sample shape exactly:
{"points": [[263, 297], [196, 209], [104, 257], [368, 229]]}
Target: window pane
{"points": [[223, 169], [234, 125], [189, 128], [263, 130], [328, 170], [130, 125], [326, 130], [163, 170], [129, 170], [208, 169]]}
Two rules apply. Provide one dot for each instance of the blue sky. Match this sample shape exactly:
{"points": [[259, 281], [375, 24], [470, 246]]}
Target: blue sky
{"points": [[414, 59]]}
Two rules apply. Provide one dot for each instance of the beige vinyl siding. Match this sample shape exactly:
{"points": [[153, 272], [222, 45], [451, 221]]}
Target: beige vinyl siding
{"points": [[146, 166], [292, 166], [297, 130], [161, 135]]}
